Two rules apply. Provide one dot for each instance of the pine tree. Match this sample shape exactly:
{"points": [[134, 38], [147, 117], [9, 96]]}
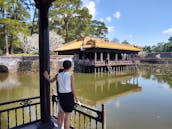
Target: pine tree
{"points": [[13, 20], [69, 19], [98, 29]]}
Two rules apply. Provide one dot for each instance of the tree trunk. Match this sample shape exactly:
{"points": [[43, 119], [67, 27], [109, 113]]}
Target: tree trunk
{"points": [[6, 40], [11, 46], [66, 28], [33, 21]]}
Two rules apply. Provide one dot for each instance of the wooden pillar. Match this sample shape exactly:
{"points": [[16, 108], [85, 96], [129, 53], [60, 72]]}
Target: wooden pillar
{"points": [[101, 56], [44, 63], [121, 56], [95, 70], [108, 56], [95, 57], [116, 56], [126, 56], [102, 69]]}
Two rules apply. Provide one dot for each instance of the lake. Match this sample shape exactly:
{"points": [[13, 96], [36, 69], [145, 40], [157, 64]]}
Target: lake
{"points": [[133, 101]]}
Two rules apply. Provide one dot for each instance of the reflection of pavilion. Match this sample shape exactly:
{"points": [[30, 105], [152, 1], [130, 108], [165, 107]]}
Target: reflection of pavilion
{"points": [[99, 90]]}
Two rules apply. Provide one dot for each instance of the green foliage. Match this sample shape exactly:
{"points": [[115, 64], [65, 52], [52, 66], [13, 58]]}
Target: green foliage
{"points": [[68, 18], [71, 20], [160, 47], [147, 49], [125, 42], [13, 18], [98, 29]]}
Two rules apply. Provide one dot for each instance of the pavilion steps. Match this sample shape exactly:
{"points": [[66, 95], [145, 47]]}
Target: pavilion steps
{"points": [[109, 68]]}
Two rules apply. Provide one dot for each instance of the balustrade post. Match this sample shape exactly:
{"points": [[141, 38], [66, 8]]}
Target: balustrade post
{"points": [[104, 117]]}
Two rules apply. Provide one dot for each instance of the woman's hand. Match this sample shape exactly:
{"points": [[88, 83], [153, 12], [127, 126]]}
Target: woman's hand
{"points": [[46, 75], [77, 101]]}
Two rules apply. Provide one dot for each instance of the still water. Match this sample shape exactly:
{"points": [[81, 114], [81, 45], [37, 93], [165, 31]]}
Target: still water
{"points": [[133, 101]]}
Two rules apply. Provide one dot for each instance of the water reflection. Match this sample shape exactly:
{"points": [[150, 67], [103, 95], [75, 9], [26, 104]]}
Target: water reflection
{"points": [[17, 86], [160, 73], [132, 101], [8, 81], [95, 90], [91, 89]]}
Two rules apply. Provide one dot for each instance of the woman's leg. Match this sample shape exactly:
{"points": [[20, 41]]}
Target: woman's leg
{"points": [[62, 118], [59, 118], [67, 120]]}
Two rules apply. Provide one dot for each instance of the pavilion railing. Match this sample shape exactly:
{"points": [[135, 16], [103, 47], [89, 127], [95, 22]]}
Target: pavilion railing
{"points": [[84, 116], [19, 112], [110, 62], [26, 111]]}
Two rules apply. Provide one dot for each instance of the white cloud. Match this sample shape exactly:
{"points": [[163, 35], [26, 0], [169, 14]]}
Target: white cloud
{"points": [[117, 15], [91, 6], [109, 19], [168, 31], [111, 29]]}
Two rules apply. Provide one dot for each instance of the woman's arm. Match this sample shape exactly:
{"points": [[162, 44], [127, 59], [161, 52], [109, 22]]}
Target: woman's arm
{"points": [[73, 88], [47, 76], [54, 78]]}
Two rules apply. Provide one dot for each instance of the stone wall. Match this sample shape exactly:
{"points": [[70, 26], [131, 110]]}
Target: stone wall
{"points": [[158, 58], [31, 63]]}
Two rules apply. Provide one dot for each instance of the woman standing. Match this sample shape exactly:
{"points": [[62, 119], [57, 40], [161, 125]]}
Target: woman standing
{"points": [[66, 91]]}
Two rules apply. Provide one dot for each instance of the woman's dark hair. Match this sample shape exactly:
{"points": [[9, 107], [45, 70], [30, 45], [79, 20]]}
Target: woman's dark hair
{"points": [[67, 64], [61, 70]]}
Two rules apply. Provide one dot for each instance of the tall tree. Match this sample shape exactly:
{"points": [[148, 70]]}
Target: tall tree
{"points": [[69, 19], [170, 39], [98, 29], [160, 47], [13, 20], [125, 42], [147, 49]]}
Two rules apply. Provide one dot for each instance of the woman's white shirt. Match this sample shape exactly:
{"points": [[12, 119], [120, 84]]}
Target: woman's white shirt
{"points": [[64, 82]]}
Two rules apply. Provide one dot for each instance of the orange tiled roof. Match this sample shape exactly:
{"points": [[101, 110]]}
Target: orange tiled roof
{"points": [[89, 42]]}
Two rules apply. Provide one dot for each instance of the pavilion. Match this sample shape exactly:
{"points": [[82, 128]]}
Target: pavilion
{"points": [[99, 55]]}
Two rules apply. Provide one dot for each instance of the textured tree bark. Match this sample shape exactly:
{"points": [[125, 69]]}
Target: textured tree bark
{"points": [[6, 40], [66, 28], [11, 50]]}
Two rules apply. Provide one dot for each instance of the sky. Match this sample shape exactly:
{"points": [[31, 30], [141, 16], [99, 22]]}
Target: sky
{"points": [[141, 22]]}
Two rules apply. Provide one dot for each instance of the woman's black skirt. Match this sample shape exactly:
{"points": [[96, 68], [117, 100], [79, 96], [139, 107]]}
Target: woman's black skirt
{"points": [[66, 101]]}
